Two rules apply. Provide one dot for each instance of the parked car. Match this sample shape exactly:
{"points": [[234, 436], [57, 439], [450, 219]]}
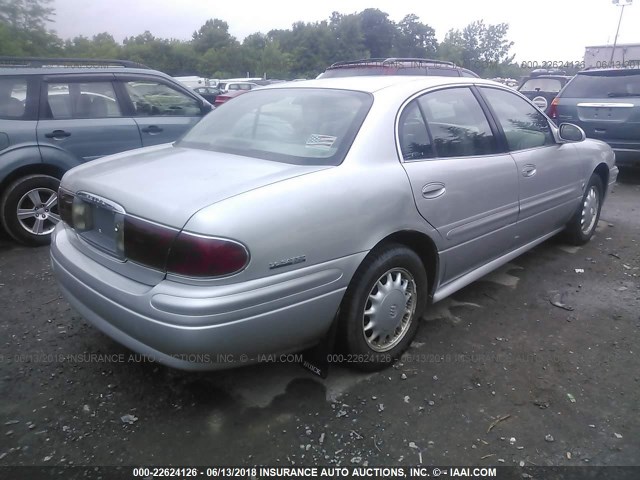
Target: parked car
{"points": [[357, 201], [395, 66], [230, 86], [226, 96], [542, 89], [53, 118], [208, 93], [606, 104], [233, 92]]}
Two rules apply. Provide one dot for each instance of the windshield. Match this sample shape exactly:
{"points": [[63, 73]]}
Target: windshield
{"points": [[551, 85], [303, 126], [620, 84]]}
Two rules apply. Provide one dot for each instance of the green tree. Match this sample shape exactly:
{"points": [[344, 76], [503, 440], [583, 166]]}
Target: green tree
{"points": [[479, 47], [213, 34], [452, 47], [101, 45], [26, 15], [415, 39], [379, 32], [23, 28], [349, 37]]}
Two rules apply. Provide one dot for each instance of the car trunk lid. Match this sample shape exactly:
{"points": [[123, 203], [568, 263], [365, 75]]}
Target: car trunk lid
{"points": [[176, 182]]}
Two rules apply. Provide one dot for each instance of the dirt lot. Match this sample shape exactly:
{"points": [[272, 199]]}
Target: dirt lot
{"points": [[558, 387]]}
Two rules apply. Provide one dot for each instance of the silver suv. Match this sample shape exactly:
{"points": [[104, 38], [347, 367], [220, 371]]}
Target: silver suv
{"points": [[57, 113]]}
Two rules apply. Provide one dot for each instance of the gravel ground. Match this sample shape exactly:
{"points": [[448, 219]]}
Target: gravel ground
{"points": [[497, 375]]}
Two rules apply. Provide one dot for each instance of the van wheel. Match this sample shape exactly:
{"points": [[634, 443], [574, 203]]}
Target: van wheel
{"points": [[29, 209], [582, 226], [381, 309]]}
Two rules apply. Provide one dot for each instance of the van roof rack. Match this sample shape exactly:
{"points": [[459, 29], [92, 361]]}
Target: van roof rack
{"points": [[39, 62], [392, 61]]}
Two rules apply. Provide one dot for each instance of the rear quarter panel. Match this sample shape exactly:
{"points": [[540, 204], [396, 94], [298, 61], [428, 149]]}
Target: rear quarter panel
{"points": [[324, 215]]}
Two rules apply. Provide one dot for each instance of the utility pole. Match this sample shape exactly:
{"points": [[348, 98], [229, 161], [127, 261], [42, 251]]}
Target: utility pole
{"points": [[619, 3]]}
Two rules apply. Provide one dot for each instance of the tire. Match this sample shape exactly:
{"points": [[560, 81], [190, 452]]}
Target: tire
{"points": [[391, 270], [583, 224], [33, 229]]}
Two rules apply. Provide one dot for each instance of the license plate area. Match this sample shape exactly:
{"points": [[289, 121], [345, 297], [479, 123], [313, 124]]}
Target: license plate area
{"points": [[106, 231]]}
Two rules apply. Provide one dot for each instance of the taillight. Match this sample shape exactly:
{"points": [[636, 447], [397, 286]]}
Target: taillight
{"points": [[147, 243], [552, 111], [158, 246], [65, 202], [199, 256]]}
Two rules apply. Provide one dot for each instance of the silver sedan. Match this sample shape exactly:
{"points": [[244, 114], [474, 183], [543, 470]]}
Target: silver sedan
{"points": [[348, 202]]}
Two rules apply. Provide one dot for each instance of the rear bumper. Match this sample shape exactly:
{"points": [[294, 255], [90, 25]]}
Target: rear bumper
{"points": [[204, 327]]}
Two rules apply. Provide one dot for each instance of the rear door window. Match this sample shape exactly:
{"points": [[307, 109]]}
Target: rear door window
{"points": [[66, 100], [618, 84]]}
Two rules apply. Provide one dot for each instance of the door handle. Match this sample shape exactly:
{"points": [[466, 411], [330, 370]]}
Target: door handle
{"points": [[529, 171], [152, 129], [57, 134], [433, 190]]}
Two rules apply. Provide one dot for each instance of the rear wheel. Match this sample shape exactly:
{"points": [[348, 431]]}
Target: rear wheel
{"points": [[382, 307], [582, 226], [29, 209]]}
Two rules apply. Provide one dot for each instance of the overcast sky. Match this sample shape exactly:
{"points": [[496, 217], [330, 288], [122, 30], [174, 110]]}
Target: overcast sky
{"points": [[543, 30]]}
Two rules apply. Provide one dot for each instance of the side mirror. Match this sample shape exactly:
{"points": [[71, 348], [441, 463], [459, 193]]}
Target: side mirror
{"points": [[569, 132], [206, 108]]}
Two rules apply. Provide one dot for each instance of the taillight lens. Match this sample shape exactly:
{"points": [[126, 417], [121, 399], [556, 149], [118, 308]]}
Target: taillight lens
{"points": [[65, 202], [199, 256], [147, 243], [552, 111], [161, 247]]}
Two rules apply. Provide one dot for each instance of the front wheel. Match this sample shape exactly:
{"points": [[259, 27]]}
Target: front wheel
{"points": [[29, 209], [382, 307], [583, 224]]}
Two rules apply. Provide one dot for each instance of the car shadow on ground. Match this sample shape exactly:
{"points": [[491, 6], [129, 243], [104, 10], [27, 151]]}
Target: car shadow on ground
{"points": [[629, 175]]}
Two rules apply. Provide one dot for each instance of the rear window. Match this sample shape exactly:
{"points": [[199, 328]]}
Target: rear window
{"points": [[299, 125], [443, 72], [542, 85], [363, 71], [610, 85], [354, 72]]}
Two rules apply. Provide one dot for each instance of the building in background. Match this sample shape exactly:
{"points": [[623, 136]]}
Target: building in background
{"points": [[627, 54]]}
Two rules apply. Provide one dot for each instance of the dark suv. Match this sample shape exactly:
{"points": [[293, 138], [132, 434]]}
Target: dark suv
{"points": [[606, 104], [57, 113], [542, 89], [396, 66]]}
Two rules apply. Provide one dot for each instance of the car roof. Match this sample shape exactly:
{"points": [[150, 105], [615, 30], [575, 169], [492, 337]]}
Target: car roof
{"points": [[75, 71], [374, 83], [555, 77], [615, 71]]}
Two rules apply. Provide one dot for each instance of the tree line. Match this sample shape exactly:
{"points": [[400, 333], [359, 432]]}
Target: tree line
{"points": [[302, 51]]}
